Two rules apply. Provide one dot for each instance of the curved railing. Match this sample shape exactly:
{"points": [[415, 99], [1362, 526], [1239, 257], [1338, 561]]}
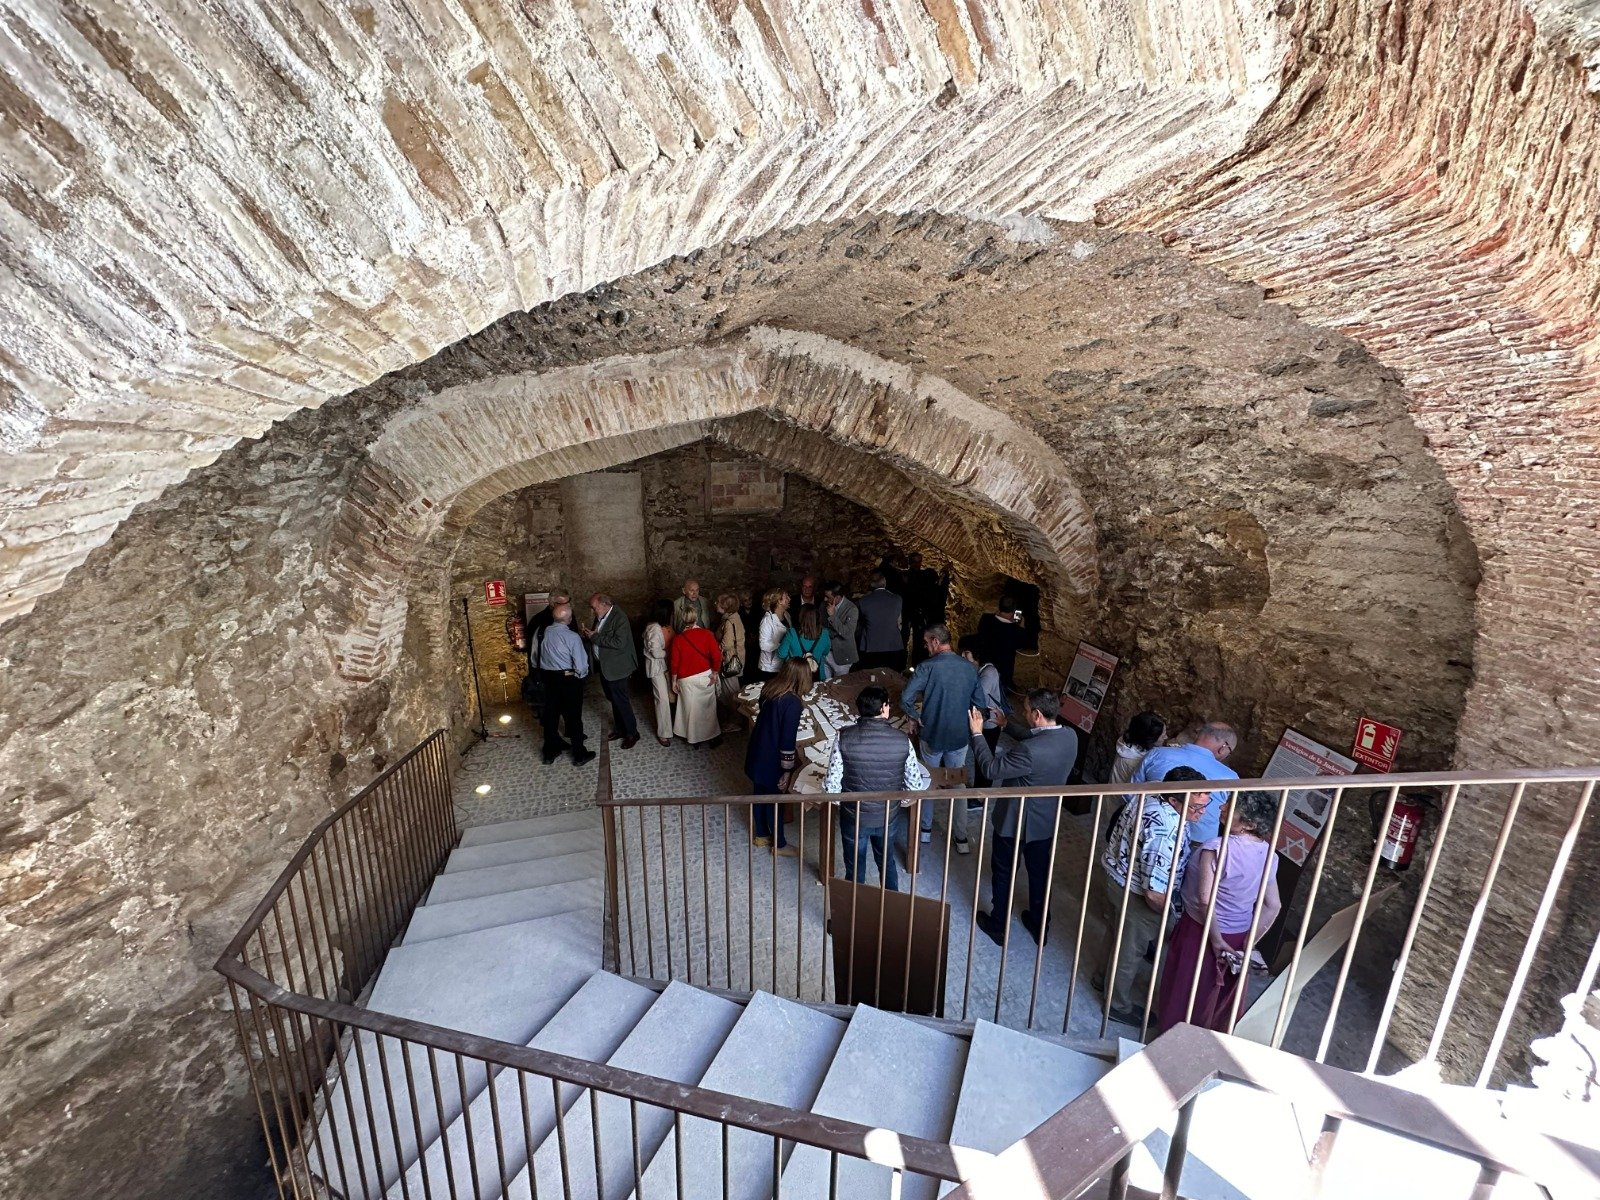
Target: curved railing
{"points": [[298, 967]]}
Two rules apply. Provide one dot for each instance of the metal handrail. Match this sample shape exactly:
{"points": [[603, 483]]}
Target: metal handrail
{"points": [[1094, 1134], [913, 1154], [292, 868], [1090, 790]]}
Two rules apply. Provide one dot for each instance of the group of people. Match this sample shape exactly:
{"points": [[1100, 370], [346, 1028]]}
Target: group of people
{"points": [[1174, 896]]}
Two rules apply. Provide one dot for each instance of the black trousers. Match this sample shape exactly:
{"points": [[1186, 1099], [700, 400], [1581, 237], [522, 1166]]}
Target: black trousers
{"points": [[895, 660], [622, 718], [563, 704], [1035, 860]]}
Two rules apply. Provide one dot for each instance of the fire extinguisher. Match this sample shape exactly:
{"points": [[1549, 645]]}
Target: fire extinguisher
{"points": [[518, 631], [1400, 839]]}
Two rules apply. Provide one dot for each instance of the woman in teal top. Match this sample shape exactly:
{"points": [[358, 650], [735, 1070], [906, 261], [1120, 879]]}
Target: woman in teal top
{"points": [[807, 636]]}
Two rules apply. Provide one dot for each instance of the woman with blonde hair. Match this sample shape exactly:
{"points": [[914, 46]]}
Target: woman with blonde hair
{"points": [[774, 624], [770, 759], [695, 661], [658, 638]]}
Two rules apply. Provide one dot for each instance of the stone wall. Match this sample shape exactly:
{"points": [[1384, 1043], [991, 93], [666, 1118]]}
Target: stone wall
{"points": [[816, 532]]}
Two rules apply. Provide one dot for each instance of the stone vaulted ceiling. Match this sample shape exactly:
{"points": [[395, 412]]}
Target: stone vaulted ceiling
{"points": [[210, 218]]}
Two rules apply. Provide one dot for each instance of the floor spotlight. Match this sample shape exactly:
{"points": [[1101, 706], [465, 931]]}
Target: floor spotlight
{"points": [[505, 718], [483, 789]]}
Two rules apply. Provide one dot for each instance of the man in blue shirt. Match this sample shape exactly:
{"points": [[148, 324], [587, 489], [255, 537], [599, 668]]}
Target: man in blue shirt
{"points": [[564, 661], [937, 698], [1205, 754]]}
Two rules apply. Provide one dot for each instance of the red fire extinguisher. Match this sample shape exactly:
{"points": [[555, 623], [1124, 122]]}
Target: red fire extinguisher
{"points": [[518, 632], [1400, 839]]}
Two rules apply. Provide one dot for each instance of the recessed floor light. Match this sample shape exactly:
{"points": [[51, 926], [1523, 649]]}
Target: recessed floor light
{"points": [[483, 789], [505, 718]]}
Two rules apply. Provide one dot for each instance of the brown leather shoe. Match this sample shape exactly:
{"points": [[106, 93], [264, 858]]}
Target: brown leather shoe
{"points": [[615, 735], [628, 743]]}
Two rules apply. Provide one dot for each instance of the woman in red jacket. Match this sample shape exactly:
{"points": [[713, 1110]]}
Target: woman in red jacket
{"points": [[695, 660]]}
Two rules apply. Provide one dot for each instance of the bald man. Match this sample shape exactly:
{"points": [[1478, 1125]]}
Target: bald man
{"points": [[1206, 754], [691, 601], [564, 661]]}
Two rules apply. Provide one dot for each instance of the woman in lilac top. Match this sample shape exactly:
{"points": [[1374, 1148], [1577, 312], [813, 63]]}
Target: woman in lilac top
{"points": [[1220, 959]]}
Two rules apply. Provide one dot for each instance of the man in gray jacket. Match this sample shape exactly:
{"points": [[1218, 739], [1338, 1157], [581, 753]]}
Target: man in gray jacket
{"points": [[843, 617], [1038, 752], [617, 658]]}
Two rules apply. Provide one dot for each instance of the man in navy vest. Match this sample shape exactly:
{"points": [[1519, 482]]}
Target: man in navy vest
{"points": [[872, 756], [1040, 752]]}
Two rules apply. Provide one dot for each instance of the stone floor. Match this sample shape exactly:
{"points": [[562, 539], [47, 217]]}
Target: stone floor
{"points": [[713, 920]]}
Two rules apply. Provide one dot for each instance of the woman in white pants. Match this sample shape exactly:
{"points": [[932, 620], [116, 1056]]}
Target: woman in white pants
{"points": [[657, 637]]}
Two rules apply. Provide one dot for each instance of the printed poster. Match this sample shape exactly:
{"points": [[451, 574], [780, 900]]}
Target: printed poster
{"points": [[1085, 690], [1298, 757]]}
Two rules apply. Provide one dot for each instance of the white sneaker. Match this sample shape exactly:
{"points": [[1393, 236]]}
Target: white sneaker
{"points": [[927, 835], [963, 847]]}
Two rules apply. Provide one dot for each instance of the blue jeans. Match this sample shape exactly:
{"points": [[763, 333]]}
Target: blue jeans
{"points": [[958, 808], [856, 841]]}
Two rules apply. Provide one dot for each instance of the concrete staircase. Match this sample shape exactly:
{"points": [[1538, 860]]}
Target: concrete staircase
{"points": [[508, 945]]}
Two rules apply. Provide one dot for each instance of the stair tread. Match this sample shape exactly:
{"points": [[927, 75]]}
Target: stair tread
{"points": [[527, 827], [500, 908], [591, 1025], [892, 1074], [677, 1039], [511, 877], [1013, 1082], [503, 983], [779, 1051], [548, 845]]}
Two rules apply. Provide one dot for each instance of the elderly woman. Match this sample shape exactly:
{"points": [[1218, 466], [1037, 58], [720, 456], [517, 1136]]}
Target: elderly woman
{"points": [[774, 625], [658, 637], [1246, 865], [695, 661], [730, 639]]}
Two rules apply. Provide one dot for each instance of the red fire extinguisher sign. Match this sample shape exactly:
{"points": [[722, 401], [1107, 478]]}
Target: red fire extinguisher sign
{"points": [[494, 591], [1376, 744]]}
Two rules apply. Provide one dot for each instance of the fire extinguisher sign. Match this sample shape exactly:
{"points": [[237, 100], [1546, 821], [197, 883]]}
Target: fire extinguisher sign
{"points": [[494, 591], [1376, 744]]}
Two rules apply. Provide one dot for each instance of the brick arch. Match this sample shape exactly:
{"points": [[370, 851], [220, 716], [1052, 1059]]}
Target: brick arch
{"points": [[878, 432]]}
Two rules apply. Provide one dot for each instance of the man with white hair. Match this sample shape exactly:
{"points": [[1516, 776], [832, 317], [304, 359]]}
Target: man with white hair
{"points": [[564, 662], [691, 601], [1206, 754]]}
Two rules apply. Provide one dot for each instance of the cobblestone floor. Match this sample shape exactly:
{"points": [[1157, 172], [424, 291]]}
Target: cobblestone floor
{"points": [[711, 920]]}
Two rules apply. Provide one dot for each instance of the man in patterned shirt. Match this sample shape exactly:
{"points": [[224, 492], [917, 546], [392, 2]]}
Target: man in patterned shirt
{"points": [[1156, 869]]}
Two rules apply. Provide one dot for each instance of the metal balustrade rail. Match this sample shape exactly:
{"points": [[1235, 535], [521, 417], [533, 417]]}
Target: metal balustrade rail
{"points": [[316, 1060], [690, 898]]}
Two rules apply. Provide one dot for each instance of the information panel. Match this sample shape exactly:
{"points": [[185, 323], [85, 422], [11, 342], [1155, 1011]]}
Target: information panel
{"points": [[1298, 757], [1085, 689]]}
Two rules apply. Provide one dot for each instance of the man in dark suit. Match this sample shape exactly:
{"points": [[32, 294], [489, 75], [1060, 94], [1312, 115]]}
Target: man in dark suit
{"points": [[879, 632], [617, 658], [1040, 752]]}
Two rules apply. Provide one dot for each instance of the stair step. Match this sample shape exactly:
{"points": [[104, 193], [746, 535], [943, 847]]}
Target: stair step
{"points": [[512, 877], [778, 1052], [510, 831], [1368, 1162], [677, 1040], [591, 1025], [503, 983], [548, 845], [500, 908], [1272, 1162], [893, 1074], [1013, 1082]]}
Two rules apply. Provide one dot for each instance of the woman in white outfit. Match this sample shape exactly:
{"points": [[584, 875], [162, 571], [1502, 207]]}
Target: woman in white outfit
{"points": [[657, 637], [774, 624]]}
